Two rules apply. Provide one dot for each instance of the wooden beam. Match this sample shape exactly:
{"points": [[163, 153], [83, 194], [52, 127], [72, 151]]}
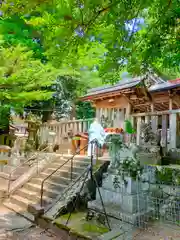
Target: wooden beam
{"points": [[155, 113], [129, 101], [176, 100], [142, 105]]}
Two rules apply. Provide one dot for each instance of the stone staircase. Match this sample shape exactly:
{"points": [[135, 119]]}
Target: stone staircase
{"points": [[17, 172], [30, 192]]}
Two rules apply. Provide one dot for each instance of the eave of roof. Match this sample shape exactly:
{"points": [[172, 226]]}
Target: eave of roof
{"points": [[125, 84], [165, 86]]}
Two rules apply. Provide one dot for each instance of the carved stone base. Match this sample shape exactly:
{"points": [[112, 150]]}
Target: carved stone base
{"points": [[148, 158]]}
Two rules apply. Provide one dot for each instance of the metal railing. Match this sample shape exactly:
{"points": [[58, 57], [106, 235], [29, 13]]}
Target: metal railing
{"points": [[9, 178], [94, 141]]}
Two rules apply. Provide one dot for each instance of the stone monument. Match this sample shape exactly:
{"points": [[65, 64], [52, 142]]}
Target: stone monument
{"points": [[124, 196], [149, 149]]}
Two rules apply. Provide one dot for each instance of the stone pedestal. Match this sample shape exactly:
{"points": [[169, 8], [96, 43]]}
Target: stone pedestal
{"points": [[128, 202]]}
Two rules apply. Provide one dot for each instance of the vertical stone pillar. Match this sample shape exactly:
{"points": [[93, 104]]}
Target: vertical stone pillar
{"points": [[172, 129]]}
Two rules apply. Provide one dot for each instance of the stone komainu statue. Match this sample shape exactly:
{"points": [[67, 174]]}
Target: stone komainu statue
{"points": [[147, 134]]}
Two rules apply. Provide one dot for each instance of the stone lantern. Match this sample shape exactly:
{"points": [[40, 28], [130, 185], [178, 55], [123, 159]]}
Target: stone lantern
{"points": [[4, 156], [51, 140], [33, 127]]}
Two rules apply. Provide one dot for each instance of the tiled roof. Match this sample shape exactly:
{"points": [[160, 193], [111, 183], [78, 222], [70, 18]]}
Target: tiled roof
{"points": [[165, 86], [159, 85], [123, 84]]}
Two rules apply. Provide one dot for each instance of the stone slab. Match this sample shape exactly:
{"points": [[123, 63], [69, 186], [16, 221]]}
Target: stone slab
{"points": [[129, 186], [137, 219], [130, 203], [113, 234]]}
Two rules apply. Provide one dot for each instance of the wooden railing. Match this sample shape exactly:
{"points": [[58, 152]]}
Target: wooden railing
{"points": [[169, 121], [65, 129]]}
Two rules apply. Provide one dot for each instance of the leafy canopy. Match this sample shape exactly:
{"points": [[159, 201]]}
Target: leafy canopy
{"points": [[22, 77], [136, 34]]}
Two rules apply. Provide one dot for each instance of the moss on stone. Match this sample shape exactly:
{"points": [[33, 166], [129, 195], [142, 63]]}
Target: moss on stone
{"points": [[90, 227], [78, 234], [61, 225], [80, 227], [46, 218]]}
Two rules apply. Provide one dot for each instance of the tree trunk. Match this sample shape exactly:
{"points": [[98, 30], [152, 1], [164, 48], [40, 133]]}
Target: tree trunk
{"points": [[46, 116], [73, 112]]}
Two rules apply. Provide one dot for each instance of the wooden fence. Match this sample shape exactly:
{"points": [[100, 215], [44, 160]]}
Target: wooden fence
{"points": [[64, 129]]}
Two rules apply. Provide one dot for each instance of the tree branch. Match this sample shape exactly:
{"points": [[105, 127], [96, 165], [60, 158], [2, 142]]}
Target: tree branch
{"points": [[98, 13]]}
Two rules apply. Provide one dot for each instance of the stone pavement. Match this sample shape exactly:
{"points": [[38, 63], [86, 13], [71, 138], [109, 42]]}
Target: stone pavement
{"points": [[15, 227]]}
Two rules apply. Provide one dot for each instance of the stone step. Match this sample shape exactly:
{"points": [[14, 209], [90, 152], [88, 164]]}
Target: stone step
{"points": [[49, 189], [76, 157], [75, 169], [77, 163], [33, 196], [58, 174], [21, 201], [17, 173], [61, 181], [16, 208]]}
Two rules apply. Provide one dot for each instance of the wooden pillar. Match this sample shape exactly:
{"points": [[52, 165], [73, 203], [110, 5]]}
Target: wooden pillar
{"points": [[121, 118], [97, 113], [170, 104], [154, 120], [147, 119], [100, 113], [164, 132], [128, 117], [172, 129], [128, 111], [138, 133]]}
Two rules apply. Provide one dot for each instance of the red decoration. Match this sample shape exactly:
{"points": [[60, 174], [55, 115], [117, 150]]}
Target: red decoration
{"points": [[175, 81], [113, 130]]}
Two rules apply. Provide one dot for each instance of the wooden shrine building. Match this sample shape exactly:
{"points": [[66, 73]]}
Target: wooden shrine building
{"points": [[146, 98]]}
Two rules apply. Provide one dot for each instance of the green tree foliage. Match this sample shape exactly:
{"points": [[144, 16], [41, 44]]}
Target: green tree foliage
{"points": [[69, 26], [15, 31], [67, 88], [22, 78], [84, 110]]}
